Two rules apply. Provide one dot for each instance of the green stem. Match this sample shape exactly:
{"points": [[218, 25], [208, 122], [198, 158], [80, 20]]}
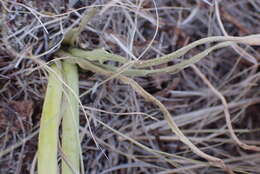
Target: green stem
{"points": [[48, 136], [101, 56], [144, 72], [70, 121]]}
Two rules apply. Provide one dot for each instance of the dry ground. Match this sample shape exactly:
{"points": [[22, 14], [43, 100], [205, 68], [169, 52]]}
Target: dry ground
{"points": [[133, 28]]}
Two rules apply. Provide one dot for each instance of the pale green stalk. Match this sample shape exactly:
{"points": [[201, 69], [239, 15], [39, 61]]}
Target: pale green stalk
{"points": [[70, 121], [48, 136], [100, 55], [144, 72], [72, 36]]}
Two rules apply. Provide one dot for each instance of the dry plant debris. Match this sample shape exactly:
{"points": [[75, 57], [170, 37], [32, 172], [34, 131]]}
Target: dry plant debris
{"points": [[137, 30]]}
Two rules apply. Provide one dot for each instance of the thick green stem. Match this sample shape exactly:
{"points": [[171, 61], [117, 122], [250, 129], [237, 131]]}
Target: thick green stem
{"points": [[48, 136], [70, 121]]}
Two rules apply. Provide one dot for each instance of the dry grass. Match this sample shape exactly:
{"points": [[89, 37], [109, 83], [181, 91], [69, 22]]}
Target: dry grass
{"points": [[136, 30]]}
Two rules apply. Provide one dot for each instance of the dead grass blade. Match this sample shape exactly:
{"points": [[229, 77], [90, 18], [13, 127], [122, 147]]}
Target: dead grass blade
{"points": [[226, 111]]}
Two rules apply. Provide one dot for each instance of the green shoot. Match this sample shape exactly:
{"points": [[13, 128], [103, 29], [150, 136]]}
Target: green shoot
{"points": [[49, 126]]}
